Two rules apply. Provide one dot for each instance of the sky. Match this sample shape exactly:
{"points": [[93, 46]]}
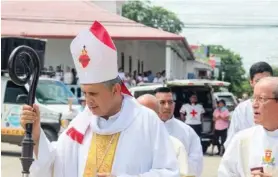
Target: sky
{"points": [[247, 27]]}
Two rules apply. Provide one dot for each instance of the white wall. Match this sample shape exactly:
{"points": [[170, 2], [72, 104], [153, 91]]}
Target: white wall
{"points": [[152, 53], [58, 52], [113, 6], [194, 66], [176, 67]]}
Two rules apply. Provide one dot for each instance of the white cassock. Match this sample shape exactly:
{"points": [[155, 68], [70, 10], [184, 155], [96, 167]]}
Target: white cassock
{"points": [[144, 147], [251, 148], [191, 142], [181, 155], [242, 118]]}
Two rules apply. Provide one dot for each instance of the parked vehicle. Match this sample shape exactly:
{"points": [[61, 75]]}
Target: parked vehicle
{"points": [[181, 91], [52, 99], [229, 98]]}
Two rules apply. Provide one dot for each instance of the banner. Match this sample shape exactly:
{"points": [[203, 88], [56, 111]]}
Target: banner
{"points": [[202, 53]]}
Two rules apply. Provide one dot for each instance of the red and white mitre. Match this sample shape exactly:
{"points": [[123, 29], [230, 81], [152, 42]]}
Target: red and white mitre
{"points": [[95, 56]]}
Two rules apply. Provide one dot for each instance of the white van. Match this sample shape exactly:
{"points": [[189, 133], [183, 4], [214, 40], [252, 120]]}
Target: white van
{"points": [[229, 98], [182, 90], [52, 98]]}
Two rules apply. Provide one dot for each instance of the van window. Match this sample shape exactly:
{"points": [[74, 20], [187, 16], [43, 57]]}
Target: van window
{"points": [[54, 92], [203, 96], [228, 99], [12, 91], [139, 93], [230, 102], [182, 94]]}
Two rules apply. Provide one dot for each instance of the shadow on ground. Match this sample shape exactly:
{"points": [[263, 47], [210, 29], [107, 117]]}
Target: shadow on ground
{"points": [[11, 154]]}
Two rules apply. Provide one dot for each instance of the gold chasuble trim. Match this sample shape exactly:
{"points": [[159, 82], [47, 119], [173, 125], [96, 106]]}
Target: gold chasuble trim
{"points": [[101, 154]]}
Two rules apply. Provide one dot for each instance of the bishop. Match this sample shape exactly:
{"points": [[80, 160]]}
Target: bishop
{"points": [[114, 135]]}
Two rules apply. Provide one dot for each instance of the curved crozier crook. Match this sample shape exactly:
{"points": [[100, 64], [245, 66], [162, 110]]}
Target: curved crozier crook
{"points": [[32, 73], [17, 55]]}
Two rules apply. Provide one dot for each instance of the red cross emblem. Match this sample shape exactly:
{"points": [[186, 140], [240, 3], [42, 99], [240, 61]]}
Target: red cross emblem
{"points": [[193, 113]]}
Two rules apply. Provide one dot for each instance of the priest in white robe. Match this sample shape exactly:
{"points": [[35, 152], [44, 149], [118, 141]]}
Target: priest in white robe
{"points": [[180, 130], [151, 102], [242, 117], [253, 152], [114, 136]]}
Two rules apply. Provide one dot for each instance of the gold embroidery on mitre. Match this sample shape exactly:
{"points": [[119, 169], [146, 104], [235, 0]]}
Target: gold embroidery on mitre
{"points": [[101, 154]]}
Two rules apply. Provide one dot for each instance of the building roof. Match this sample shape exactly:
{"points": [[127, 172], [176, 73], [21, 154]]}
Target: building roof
{"points": [[64, 19]]}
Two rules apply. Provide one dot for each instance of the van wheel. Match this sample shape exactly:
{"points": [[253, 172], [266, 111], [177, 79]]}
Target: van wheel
{"points": [[50, 134]]}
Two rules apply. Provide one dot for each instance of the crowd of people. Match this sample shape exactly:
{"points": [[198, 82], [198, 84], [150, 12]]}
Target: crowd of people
{"points": [[69, 76], [134, 79], [119, 136]]}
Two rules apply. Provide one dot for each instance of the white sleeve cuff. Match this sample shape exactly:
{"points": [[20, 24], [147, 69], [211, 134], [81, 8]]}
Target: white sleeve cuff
{"points": [[45, 155]]}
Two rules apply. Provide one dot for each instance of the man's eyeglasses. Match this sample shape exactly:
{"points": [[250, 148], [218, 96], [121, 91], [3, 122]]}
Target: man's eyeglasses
{"points": [[262, 99]]}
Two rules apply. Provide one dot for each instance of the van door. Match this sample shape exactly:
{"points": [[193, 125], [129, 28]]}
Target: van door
{"points": [[12, 108], [204, 95], [3, 89]]}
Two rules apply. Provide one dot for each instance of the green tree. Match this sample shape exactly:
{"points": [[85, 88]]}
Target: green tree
{"points": [[153, 16], [246, 87], [231, 65], [275, 70]]}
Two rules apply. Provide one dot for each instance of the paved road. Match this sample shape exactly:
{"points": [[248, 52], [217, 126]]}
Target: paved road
{"points": [[11, 166]]}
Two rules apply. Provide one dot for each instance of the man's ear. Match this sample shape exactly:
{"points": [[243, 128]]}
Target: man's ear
{"points": [[116, 89], [251, 83]]}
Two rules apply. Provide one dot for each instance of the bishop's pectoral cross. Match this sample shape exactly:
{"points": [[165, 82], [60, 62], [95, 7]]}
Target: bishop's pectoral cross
{"points": [[193, 113]]}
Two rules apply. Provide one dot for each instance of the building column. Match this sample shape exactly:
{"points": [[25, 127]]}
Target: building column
{"points": [[184, 69], [168, 58], [174, 66], [143, 55], [128, 54], [136, 55], [179, 67]]}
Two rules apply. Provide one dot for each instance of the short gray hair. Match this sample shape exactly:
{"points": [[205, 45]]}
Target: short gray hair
{"points": [[111, 83]]}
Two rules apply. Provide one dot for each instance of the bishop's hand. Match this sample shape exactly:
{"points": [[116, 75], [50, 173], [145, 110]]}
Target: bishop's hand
{"points": [[31, 115]]}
